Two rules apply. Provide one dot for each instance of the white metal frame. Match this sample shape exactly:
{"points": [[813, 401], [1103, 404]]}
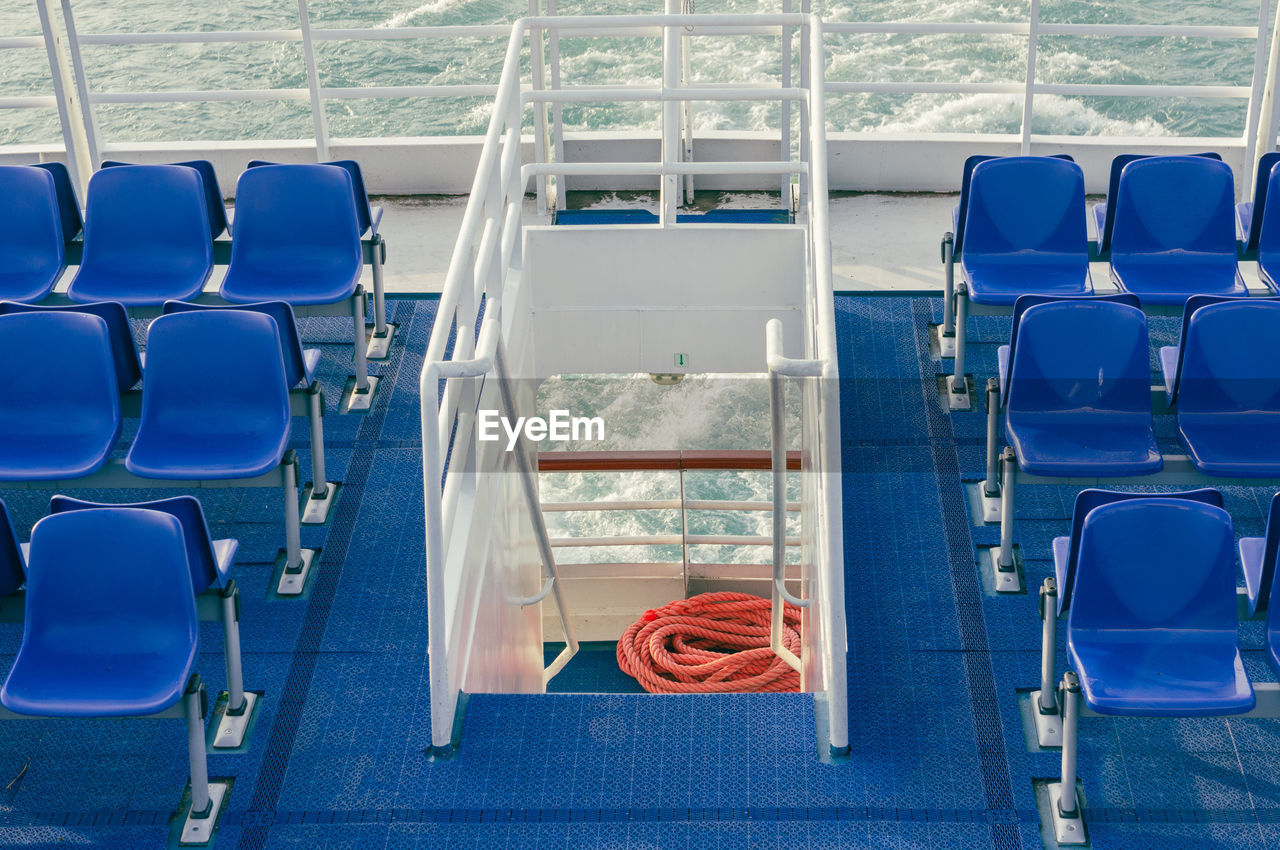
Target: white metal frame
{"points": [[488, 247]]}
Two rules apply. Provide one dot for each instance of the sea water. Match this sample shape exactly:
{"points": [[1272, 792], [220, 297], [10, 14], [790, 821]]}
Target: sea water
{"points": [[882, 58]]}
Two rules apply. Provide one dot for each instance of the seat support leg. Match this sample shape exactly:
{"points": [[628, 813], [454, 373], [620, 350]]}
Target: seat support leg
{"points": [[297, 560], [361, 397], [1044, 703], [946, 335], [380, 341], [991, 485], [230, 727], [1064, 802], [958, 394], [206, 799], [1009, 461], [320, 500]]}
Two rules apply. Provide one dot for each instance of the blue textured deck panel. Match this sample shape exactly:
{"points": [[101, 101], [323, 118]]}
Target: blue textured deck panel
{"points": [[937, 755]]}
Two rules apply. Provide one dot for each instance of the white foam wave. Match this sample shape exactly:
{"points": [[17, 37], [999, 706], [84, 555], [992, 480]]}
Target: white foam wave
{"points": [[987, 113], [403, 18]]}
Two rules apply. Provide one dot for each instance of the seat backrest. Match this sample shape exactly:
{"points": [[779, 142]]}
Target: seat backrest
{"points": [[290, 340], [1168, 204], [211, 367], [1087, 500], [1261, 184], [217, 210], [1026, 302], [289, 213], [31, 237], [1028, 206], [364, 215], [148, 219], [1195, 302], [1266, 227], [966, 182], [1163, 567], [195, 530], [133, 596], [1082, 357], [12, 570], [1227, 364], [58, 376], [68, 205], [1113, 187], [124, 351]]}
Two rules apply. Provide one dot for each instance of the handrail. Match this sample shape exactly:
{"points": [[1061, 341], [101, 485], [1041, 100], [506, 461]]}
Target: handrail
{"points": [[636, 461]]}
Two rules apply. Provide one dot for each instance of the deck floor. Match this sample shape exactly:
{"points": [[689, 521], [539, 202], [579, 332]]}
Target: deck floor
{"points": [[938, 760]]}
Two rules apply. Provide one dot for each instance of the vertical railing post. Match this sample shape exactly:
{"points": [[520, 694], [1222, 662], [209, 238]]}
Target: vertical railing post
{"points": [[686, 107], [75, 135], [313, 84], [785, 153], [557, 109], [684, 532], [1266, 130], [1028, 94], [669, 186], [82, 85], [538, 71]]}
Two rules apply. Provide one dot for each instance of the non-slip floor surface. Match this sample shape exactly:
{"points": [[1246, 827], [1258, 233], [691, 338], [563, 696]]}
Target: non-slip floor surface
{"points": [[337, 758]]}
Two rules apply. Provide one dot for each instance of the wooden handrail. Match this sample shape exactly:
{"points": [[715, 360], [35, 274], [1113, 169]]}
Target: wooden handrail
{"points": [[643, 461]]}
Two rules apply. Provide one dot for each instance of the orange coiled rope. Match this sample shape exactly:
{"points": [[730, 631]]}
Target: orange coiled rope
{"points": [[710, 643]]}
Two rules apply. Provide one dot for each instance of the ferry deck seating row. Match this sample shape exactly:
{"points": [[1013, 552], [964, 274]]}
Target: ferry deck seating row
{"points": [[1152, 627], [214, 411], [1083, 414], [1168, 227], [131, 607], [305, 395], [150, 235]]}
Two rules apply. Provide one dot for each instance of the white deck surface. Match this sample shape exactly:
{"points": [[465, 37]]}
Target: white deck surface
{"points": [[879, 242]]}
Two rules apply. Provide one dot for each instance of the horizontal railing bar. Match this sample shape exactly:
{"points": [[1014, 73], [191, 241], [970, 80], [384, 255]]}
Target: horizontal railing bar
{"points": [[1145, 30], [589, 94], [1100, 90], [120, 39], [28, 102], [1019, 28], [402, 33], [661, 505], [658, 168], [21, 41], [666, 540], [641, 461], [356, 92], [200, 96], [839, 87]]}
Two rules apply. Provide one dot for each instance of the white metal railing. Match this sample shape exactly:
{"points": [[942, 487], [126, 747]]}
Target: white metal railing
{"points": [[488, 246], [76, 99]]}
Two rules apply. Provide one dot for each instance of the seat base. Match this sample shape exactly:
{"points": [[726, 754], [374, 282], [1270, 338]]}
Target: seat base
{"points": [[354, 401], [228, 731], [292, 582], [1048, 725], [1068, 831], [316, 509], [379, 347], [1003, 581], [199, 831]]}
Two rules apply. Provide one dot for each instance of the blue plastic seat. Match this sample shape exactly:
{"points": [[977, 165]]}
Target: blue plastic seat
{"points": [[1025, 230], [215, 404], [369, 217], [1104, 214], [146, 237], [1152, 629], [1078, 400], [68, 206], [1249, 213], [1004, 354], [1267, 226], [214, 205], [1228, 389], [110, 627], [297, 236], [32, 255], [299, 363], [61, 411], [124, 351], [210, 560], [1066, 550], [960, 210], [13, 567], [1258, 560], [1174, 233], [1170, 356]]}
